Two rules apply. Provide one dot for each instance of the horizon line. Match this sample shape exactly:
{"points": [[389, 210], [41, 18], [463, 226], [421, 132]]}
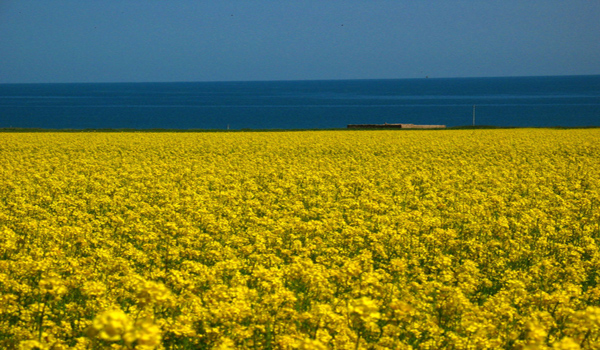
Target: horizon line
{"points": [[299, 80]]}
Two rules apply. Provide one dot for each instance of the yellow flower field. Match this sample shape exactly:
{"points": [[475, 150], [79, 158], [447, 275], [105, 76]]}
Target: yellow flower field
{"points": [[438, 239]]}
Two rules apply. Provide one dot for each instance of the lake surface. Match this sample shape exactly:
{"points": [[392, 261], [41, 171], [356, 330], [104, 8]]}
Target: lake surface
{"points": [[567, 101]]}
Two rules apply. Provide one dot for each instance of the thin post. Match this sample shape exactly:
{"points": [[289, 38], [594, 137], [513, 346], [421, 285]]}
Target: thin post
{"points": [[473, 115]]}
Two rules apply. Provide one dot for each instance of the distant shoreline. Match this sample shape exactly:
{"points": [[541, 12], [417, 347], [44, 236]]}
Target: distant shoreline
{"points": [[124, 130]]}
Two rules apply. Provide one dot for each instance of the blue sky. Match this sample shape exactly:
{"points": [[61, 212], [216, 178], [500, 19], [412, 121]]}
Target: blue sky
{"points": [[223, 40]]}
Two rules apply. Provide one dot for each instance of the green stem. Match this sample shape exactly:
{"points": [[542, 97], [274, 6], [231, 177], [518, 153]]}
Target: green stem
{"points": [[357, 340], [41, 320]]}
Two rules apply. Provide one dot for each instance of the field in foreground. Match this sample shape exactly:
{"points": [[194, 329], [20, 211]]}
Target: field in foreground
{"points": [[455, 239]]}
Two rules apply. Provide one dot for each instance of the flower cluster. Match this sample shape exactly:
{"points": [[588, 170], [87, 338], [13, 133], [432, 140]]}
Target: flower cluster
{"points": [[422, 239]]}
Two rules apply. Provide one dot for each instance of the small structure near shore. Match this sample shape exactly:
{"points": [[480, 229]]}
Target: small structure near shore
{"points": [[394, 126]]}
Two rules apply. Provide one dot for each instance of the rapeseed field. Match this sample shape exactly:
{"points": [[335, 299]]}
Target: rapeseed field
{"points": [[438, 239]]}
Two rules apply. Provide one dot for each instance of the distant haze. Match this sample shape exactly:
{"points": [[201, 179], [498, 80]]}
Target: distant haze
{"points": [[152, 40]]}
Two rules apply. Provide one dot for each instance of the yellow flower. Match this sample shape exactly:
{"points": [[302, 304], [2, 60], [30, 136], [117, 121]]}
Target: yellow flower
{"points": [[111, 325], [32, 345], [153, 293], [53, 286], [484, 239], [566, 343], [146, 335], [365, 307], [310, 344]]}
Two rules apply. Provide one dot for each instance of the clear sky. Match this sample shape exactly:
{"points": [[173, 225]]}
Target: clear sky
{"points": [[223, 40]]}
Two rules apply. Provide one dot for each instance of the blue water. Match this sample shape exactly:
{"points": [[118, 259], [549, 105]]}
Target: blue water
{"points": [[516, 101]]}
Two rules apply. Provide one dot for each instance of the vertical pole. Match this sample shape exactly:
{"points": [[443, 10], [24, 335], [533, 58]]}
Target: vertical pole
{"points": [[473, 115]]}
